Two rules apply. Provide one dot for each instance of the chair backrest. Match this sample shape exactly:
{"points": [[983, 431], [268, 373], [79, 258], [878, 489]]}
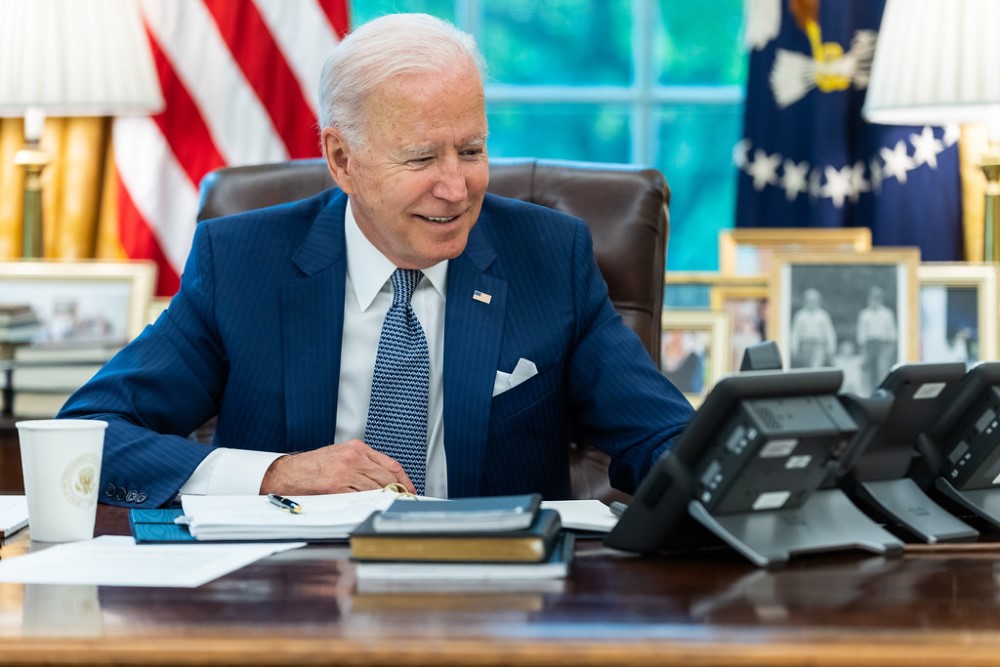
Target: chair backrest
{"points": [[625, 207]]}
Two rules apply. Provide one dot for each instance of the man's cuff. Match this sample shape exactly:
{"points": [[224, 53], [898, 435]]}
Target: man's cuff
{"points": [[227, 471]]}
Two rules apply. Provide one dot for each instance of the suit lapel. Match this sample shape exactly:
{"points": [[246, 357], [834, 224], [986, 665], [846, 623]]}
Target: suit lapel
{"points": [[471, 352], [312, 311]]}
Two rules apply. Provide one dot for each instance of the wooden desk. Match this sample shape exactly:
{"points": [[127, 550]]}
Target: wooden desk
{"points": [[304, 608], [11, 480]]}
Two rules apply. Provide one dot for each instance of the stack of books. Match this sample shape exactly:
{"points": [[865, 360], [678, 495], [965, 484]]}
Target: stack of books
{"points": [[468, 539], [44, 376], [18, 323]]}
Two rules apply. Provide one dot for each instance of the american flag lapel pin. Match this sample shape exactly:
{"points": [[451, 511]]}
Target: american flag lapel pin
{"points": [[482, 297]]}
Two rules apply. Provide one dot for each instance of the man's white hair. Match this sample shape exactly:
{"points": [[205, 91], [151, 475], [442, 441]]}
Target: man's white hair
{"points": [[379, 50]]}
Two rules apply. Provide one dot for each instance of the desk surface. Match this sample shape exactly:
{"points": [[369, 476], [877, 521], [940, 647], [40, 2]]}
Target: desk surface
{"points": [[304, 608]]}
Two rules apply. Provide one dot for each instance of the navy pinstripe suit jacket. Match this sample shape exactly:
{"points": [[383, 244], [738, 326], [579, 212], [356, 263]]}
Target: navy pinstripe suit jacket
{"points": [[254, 334]]}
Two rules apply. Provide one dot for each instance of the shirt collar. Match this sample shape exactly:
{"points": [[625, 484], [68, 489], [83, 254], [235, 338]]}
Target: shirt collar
{"points": [[369, 270]]}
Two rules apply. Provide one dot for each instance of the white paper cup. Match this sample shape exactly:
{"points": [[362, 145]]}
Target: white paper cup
{"points": [[61, 462]]}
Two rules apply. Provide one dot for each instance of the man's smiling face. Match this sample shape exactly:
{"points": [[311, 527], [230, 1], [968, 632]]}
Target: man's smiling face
{"points": [[418, 184]]}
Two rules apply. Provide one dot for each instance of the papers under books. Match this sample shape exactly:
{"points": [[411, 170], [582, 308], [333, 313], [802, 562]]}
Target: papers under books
{"points": [[556, 566], [493, 513], [323, 517]]}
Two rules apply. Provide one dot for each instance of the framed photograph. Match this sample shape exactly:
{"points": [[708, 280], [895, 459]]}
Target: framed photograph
{"points": [[856, 312], [746, 306], [692, 290], [750, 251], [79, 302], [694, 346], [958, 312]]}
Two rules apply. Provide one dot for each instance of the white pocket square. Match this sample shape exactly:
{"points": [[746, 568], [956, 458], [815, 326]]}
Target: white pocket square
{"points": [[524, 370]]}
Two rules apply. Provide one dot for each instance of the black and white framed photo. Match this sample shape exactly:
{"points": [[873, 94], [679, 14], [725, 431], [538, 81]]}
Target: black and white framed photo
{"points": [[853, 311], [958, 312]]}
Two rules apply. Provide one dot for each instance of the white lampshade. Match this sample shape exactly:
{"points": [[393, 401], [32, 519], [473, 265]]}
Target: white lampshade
{"points": [[75, 58], [937, 62]]}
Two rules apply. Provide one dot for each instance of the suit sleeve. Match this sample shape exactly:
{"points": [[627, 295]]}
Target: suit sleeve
{"points": [[156, 391], [621, 402]]}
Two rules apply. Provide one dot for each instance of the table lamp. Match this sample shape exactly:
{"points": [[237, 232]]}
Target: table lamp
{"points": [[69, 58], [937, 62]]}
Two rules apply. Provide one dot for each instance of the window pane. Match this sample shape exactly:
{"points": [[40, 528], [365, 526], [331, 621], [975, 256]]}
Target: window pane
{"points": [[363, 11], [559, 131], [695, 154], [699, 43], [566, 42]]}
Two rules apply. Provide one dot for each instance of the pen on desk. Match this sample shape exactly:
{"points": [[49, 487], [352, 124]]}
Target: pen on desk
{"points": [[285, 503]]}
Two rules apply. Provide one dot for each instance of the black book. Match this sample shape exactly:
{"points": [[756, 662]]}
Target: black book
{"points": [[462, 515]]}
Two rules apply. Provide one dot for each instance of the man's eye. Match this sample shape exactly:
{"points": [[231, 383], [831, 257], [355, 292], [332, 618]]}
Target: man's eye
{"points": [[421, 160]]}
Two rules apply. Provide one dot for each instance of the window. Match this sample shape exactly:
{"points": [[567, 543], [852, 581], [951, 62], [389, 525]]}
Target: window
{"points": [[653, 82]]}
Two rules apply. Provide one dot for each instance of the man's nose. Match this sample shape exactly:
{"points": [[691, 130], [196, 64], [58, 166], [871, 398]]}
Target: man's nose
{"points": [[451, 183]]}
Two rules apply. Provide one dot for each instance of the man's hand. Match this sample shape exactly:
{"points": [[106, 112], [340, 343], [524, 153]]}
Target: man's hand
{"points": [[348, 466]]}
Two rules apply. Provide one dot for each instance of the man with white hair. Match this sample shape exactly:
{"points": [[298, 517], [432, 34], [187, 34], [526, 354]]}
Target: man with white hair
{"points": [[404, 327]]}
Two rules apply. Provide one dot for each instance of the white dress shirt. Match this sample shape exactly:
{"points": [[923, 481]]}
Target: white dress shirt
{"points": [[367, 298]]}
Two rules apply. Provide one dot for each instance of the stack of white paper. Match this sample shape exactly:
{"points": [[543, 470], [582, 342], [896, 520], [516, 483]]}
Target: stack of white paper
{"points": [[588, 515], [13, 514], [323, 517]]}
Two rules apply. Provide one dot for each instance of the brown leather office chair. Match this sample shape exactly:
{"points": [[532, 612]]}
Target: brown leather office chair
{"points": [[625, 207]]}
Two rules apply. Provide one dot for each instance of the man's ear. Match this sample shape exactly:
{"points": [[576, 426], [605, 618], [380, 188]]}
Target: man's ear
{"points": [[338, 158]]}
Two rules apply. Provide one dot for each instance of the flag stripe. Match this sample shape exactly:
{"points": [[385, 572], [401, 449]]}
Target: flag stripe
{"points": [[235, 116], [164, 195], [138, 240], [264, 66], [336, 12], [183, 127], [240, 80], [301, 30]]}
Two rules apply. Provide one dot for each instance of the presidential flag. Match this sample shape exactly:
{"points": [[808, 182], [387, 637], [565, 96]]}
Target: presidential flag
{"points": [[241, 81], [808, 159]]}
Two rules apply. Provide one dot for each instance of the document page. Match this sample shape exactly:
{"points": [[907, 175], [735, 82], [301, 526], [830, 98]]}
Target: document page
{"points": [[583, 514], [255, 518], [113, 560], [13, 514]]}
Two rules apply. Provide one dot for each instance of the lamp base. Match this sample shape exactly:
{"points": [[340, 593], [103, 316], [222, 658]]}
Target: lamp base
{"points": [[33, 159]]}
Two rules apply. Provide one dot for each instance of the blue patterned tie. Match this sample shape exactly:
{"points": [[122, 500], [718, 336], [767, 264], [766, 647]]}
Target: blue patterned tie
{"points": [[397, 414]]}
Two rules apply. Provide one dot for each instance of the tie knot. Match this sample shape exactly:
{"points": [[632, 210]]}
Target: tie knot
{"points": [[404, 281]]}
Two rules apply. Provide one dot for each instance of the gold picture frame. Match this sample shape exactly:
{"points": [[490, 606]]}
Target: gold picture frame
{"points": [[749, 251], [853, 311], [693, 290], [747, 307], [81, 301], [694, 345], [958, 311]]}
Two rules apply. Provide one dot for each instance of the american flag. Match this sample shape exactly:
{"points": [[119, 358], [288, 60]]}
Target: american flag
{"points": [[240, 79]]}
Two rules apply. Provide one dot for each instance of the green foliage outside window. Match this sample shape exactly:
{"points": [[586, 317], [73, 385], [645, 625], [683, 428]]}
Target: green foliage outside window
{"points": [[656, 82]]}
